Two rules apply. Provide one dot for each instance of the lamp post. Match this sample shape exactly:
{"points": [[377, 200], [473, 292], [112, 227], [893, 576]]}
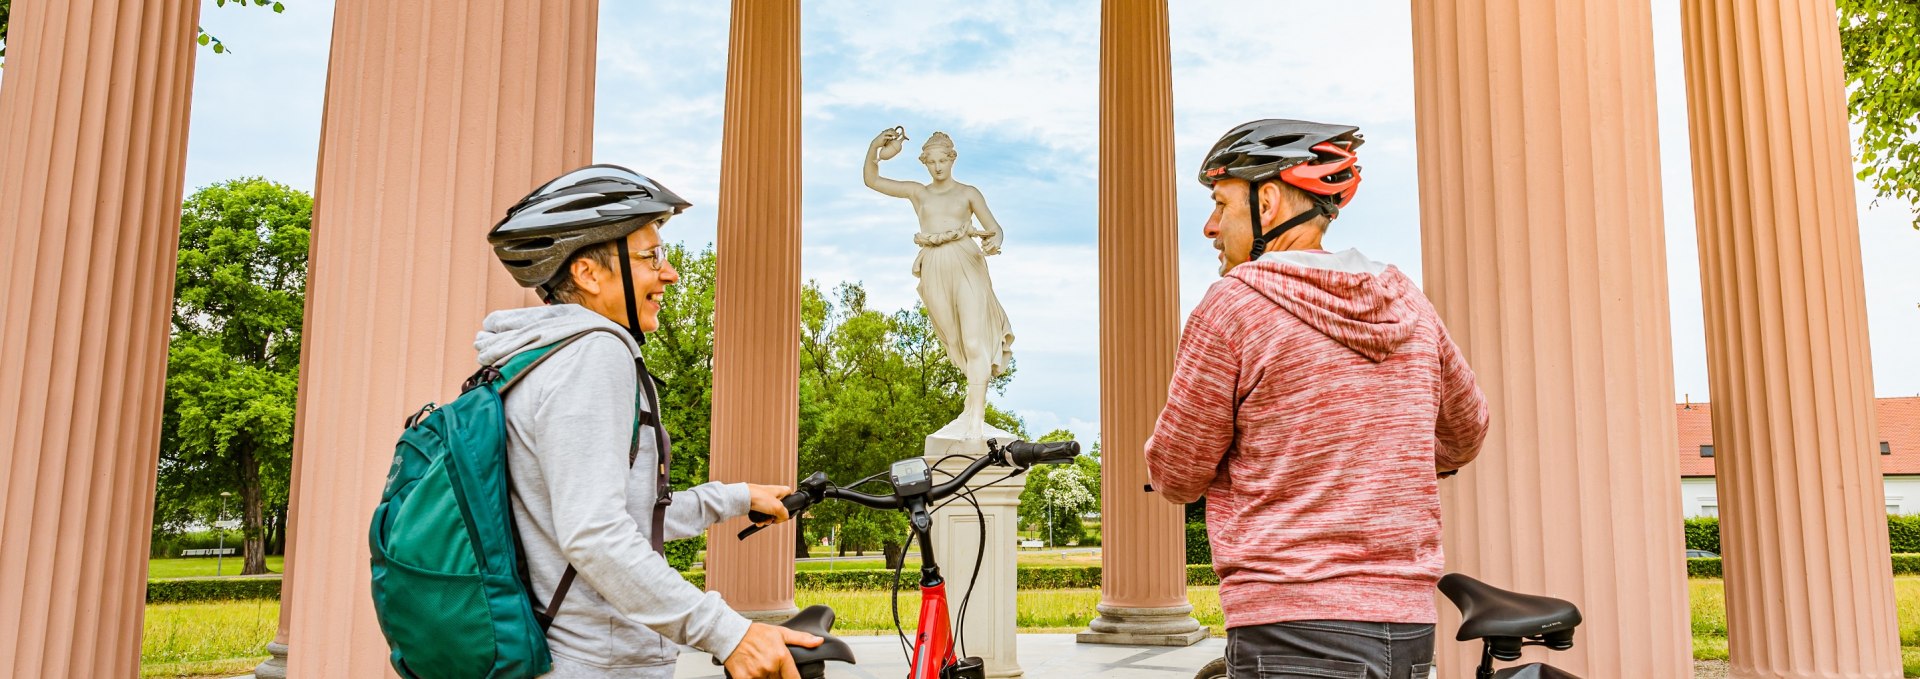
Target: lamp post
{"points": [[220, 553]]}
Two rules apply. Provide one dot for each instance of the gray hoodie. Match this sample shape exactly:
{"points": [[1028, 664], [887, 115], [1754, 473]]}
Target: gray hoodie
{"points": [[575, 500]]}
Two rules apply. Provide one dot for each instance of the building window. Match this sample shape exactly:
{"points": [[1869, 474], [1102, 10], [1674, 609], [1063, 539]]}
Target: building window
{"points": [[1885, 449], [1893, 504], [1706, 450], [1710, 510]]}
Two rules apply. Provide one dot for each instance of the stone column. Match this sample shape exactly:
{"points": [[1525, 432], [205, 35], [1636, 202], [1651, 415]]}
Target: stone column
{"points": [[1143, 594], [992, 622], [756, 306], [93, 135], [275, 666], [1808, 584], [1541, 238], [438, 116]]}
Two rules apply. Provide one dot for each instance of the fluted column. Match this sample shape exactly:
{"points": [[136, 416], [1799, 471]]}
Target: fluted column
{"points": [[1143, 592], [1809, 586], [93, 132], [438, 116], [756, 305], [275, 666], [1541, 239]]}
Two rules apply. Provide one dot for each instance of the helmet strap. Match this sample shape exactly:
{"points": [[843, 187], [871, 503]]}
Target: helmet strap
{"points": [[1322, 205], [626, 281]]}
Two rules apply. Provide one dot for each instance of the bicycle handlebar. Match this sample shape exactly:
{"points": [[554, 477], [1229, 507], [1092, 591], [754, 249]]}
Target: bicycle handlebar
{"points": [[1017, 454]]}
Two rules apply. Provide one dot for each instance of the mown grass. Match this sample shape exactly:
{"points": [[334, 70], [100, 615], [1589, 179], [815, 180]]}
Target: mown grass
{"points": [[201, 567], [207, 639]]}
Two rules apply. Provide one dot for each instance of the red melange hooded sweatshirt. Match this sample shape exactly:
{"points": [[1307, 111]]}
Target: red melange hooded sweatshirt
{"points": [[1314, 397]]}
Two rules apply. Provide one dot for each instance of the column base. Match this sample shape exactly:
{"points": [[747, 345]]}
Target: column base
{"points": [[773, 617], [1171, 626], [274, 667]]}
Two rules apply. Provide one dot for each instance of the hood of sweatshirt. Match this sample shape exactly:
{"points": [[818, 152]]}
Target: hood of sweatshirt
{"points": [[511, 331], [1364, 305]]}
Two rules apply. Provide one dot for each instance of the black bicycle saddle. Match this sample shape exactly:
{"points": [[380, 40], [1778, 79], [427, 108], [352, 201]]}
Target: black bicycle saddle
{"points": [[1534, 671], [812, 662], [1488, 611]]}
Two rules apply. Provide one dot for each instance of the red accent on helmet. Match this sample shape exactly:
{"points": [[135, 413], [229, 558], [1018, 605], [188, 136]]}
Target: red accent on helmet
{"points": [[1333, 174]]}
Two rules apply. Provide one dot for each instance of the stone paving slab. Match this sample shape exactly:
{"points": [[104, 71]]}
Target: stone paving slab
{"points": [[1043, 656]]}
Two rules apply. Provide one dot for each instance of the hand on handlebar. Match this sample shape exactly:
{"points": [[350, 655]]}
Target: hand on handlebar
{"points": [[763, 654], [767, 500]]}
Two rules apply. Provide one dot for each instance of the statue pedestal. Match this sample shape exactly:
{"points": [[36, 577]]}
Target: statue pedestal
{"points": [[990, 622]]}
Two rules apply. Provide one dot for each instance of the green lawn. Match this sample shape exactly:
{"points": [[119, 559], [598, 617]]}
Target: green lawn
{"points": [[161, 569], [229, 638], [221, 639]]}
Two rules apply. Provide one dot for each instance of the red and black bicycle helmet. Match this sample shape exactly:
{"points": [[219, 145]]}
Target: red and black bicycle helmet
{"points": [[1314, 157]]}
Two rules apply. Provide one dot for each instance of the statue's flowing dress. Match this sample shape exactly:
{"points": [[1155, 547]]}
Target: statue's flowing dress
{"points": [[959, 297]]}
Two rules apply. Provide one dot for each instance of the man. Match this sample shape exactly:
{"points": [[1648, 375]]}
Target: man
{"points": [[1314, 397], [584, 478]]}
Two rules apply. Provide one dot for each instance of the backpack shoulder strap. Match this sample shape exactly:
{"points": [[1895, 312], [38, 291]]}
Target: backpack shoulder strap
{"points": [[524, 362]]}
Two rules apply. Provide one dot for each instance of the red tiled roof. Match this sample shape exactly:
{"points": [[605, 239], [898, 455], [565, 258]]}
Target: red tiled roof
{"points": [[1899, 421]]}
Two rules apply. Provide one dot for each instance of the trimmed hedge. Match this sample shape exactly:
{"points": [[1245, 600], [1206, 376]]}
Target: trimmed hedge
{"points": [[1703, 533], [1703, 568], [211, 589], [1903, 564], [1199, 551], [1903, 534]]}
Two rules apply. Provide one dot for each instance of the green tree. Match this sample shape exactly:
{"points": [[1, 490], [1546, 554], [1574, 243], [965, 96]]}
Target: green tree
{"points": [[233, 359], [680, 353], [1880, 48], [1056, 495]]}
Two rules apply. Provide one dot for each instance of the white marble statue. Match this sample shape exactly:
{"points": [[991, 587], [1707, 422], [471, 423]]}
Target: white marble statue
{"points": [[952, 268]]}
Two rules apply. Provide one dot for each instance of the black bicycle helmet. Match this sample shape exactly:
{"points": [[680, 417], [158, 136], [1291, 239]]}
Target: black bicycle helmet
{"points": [[592, 205], [1316, 158]]}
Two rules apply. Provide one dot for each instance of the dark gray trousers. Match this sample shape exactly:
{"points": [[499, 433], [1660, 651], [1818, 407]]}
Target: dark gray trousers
{"points": [[1330, 649]]}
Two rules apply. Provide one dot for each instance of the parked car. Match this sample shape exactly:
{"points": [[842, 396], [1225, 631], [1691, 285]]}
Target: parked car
{"points": [[1701, 554]]}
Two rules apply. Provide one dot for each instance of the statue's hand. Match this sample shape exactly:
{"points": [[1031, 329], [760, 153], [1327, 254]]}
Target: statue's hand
{"points": [[885, 136], [990, 244]]}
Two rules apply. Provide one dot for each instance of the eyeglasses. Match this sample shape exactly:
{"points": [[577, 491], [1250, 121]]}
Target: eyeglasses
{"points": [[655, 257]]}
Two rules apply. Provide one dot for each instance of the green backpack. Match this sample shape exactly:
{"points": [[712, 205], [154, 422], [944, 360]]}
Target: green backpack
{"points": [[449, 585]]}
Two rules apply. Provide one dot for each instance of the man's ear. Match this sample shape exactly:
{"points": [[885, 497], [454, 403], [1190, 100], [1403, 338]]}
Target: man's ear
{"points": [[1273, 205]]}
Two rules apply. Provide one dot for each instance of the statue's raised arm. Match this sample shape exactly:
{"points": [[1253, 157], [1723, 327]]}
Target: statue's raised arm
{"points": [[890, 139]]}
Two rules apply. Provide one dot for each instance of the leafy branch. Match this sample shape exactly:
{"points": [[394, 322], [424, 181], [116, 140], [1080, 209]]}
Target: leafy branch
{"points": [[1880, 50]]}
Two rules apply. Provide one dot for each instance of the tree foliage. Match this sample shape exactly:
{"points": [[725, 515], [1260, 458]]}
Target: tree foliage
{"points": [[203, 38], [1880, 47], [1056, 496], [233, 359]]}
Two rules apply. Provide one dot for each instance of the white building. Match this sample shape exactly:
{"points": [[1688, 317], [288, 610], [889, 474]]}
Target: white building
{"points": [[1898, 445]]}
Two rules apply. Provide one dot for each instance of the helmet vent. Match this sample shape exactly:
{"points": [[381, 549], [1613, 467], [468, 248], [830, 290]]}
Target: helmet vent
{"points": [[532, 244]]}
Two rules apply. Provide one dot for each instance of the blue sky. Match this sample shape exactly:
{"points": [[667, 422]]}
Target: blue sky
{"points": [[1016, 85]]}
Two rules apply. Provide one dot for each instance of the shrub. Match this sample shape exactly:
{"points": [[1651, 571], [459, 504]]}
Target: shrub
{"points": [[1201, 575], [1903, 533], [1199, 551], [681, 554], [1703, 568], [211, 589], [1703, 533]]}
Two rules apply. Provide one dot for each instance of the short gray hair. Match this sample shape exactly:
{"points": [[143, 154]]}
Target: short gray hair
{"points": [[562, 288]]}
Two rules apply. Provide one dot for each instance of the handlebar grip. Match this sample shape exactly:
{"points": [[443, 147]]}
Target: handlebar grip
{"points": [[1024, 454], [795, 502]]}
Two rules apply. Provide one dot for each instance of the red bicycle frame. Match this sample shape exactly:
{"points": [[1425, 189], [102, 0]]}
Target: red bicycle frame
{"points": [[933, 638]]}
